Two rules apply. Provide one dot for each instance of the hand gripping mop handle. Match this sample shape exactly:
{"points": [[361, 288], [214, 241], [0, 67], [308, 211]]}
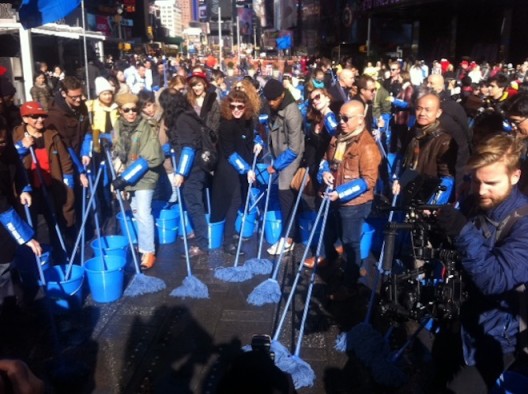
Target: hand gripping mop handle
{"points": [[37, 260], [85, 217], [182, 219], [244, 215], [122, 208], [290, 224], [96, 217], [299, 269], [266, 204], [46, 197]]}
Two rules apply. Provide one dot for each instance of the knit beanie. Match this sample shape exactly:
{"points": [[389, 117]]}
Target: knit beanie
{"points": [[273, 89], [102, 85]]}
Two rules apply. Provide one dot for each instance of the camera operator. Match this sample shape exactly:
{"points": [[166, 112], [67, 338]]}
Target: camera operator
{"points": [[492, 245]]}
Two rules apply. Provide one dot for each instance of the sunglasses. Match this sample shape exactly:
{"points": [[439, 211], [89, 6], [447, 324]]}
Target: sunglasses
{"points": [[239, 107], [239, 87], [345, 118], [317, 97], [127, 110], [35, 117], [75, 98]]}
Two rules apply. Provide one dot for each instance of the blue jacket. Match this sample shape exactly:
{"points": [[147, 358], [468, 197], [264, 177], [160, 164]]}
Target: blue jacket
{"points": [[494, 270]]}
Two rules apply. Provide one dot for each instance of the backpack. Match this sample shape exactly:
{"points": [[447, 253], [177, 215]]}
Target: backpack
{"points": [[208, 153]]}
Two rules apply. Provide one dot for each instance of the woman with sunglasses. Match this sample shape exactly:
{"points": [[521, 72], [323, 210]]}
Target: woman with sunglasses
{"points": [[137, 150], [55, 168], [237, 145]]}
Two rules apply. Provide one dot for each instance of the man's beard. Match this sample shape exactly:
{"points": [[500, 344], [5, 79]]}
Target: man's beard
{"points": [[490, 204]]}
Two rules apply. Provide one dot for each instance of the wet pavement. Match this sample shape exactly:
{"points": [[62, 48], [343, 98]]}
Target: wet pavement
{"points": [[157, 343]]}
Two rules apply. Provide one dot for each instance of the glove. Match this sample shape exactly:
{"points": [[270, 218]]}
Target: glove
{"points": [[450, 220], [105, 143], [119, 183]]}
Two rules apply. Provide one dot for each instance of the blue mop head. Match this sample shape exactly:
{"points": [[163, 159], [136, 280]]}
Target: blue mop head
{"points": [[233, 274], [267, 292], [191, 288], [301, 372], [142, 284], [259, 266]]}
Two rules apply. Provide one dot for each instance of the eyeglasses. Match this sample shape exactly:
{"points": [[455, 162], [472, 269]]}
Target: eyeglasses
{"points": [[345, 118], [517, 122], [372, 90], [238, 107], [35, 117], [75, 98], [127, 110], [317, 97]]}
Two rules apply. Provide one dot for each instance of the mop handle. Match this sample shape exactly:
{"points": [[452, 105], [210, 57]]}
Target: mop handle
{"points": [[208, 200], [299, 270], [266, 203], [244, 214], [37, 259], [94, 209], [257, 200], [84, 219], [290, 224], [48, 201], [182, 218], [84, 209], [312, 282], [123, 212]]}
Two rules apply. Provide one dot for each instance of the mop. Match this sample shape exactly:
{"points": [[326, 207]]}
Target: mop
{"points": [[96, 218], [140, 283], [191, 287], [300, 371], [257, 265], [269, 291], [238, 273]]}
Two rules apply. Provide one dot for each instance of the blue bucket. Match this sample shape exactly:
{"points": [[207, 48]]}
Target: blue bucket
{"points": [[167, 230], [188, 226], [273, 226], [132, 225], [113, 245], [26, 265], [249, 226], [261, 172], [215, 234], [510, 382], [367, 235], [65, 294], [306, 221], [106, 277]]}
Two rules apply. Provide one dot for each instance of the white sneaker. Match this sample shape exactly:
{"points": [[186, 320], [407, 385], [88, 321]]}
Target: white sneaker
{"points": [[276, 248]]}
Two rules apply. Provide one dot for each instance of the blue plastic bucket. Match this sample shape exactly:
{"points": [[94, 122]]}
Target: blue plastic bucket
{"points": [[272, 226], [64, 294], [167, 230], [106, 277], [510, 382], [113, 245], [306, 222], [132, 225], [188, 226], [367, 235], [250, 224], [215, 234], [261, 171], [26, 265]]}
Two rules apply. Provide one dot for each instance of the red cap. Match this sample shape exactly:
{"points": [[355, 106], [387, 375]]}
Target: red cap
{"points": [[32, 108], [198, 74]]}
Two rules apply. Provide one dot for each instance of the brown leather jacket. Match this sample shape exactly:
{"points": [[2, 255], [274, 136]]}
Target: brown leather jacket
{"points": [[361, 160]]}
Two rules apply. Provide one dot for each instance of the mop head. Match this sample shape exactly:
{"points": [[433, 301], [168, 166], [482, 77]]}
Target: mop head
{"points": [[301, 372], [259, 266], [233, 274], [267, 292], [191, 288], [142, 284]]}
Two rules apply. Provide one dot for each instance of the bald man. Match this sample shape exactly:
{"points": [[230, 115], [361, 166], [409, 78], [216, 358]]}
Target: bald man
{"points": [[431, 152], [455, 123], [350, 167], [341, 92]]}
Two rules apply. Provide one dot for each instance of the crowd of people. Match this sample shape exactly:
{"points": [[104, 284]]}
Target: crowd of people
{"points": [[358, 134]]}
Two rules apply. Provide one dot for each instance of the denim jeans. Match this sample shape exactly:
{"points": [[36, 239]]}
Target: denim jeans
{"points": [[142, 210], [346, 222]]}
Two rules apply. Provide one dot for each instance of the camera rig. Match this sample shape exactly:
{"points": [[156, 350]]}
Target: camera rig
{"points": [[429, 285]]}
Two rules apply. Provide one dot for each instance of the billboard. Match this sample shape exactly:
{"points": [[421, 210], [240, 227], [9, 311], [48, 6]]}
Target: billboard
{"points": [[226, 8]]}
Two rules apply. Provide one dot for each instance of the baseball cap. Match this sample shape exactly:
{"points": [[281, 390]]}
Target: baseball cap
{"points": [[32, 108]]}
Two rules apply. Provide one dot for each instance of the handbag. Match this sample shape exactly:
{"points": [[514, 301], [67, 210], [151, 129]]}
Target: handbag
{"points": [[297, 179]]}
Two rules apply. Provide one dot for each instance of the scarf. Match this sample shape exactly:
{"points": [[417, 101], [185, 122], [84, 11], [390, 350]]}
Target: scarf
{"points": [[343, 142], [125, 136], [421, 136]]}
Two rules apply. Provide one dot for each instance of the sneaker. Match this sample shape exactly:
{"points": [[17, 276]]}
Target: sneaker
{"points": [[147, 261], [276, 248], [310, 262]]}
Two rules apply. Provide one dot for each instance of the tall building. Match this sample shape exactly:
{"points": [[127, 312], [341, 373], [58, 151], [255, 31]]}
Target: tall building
{"points": [[170, 15], [186, 11]]}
